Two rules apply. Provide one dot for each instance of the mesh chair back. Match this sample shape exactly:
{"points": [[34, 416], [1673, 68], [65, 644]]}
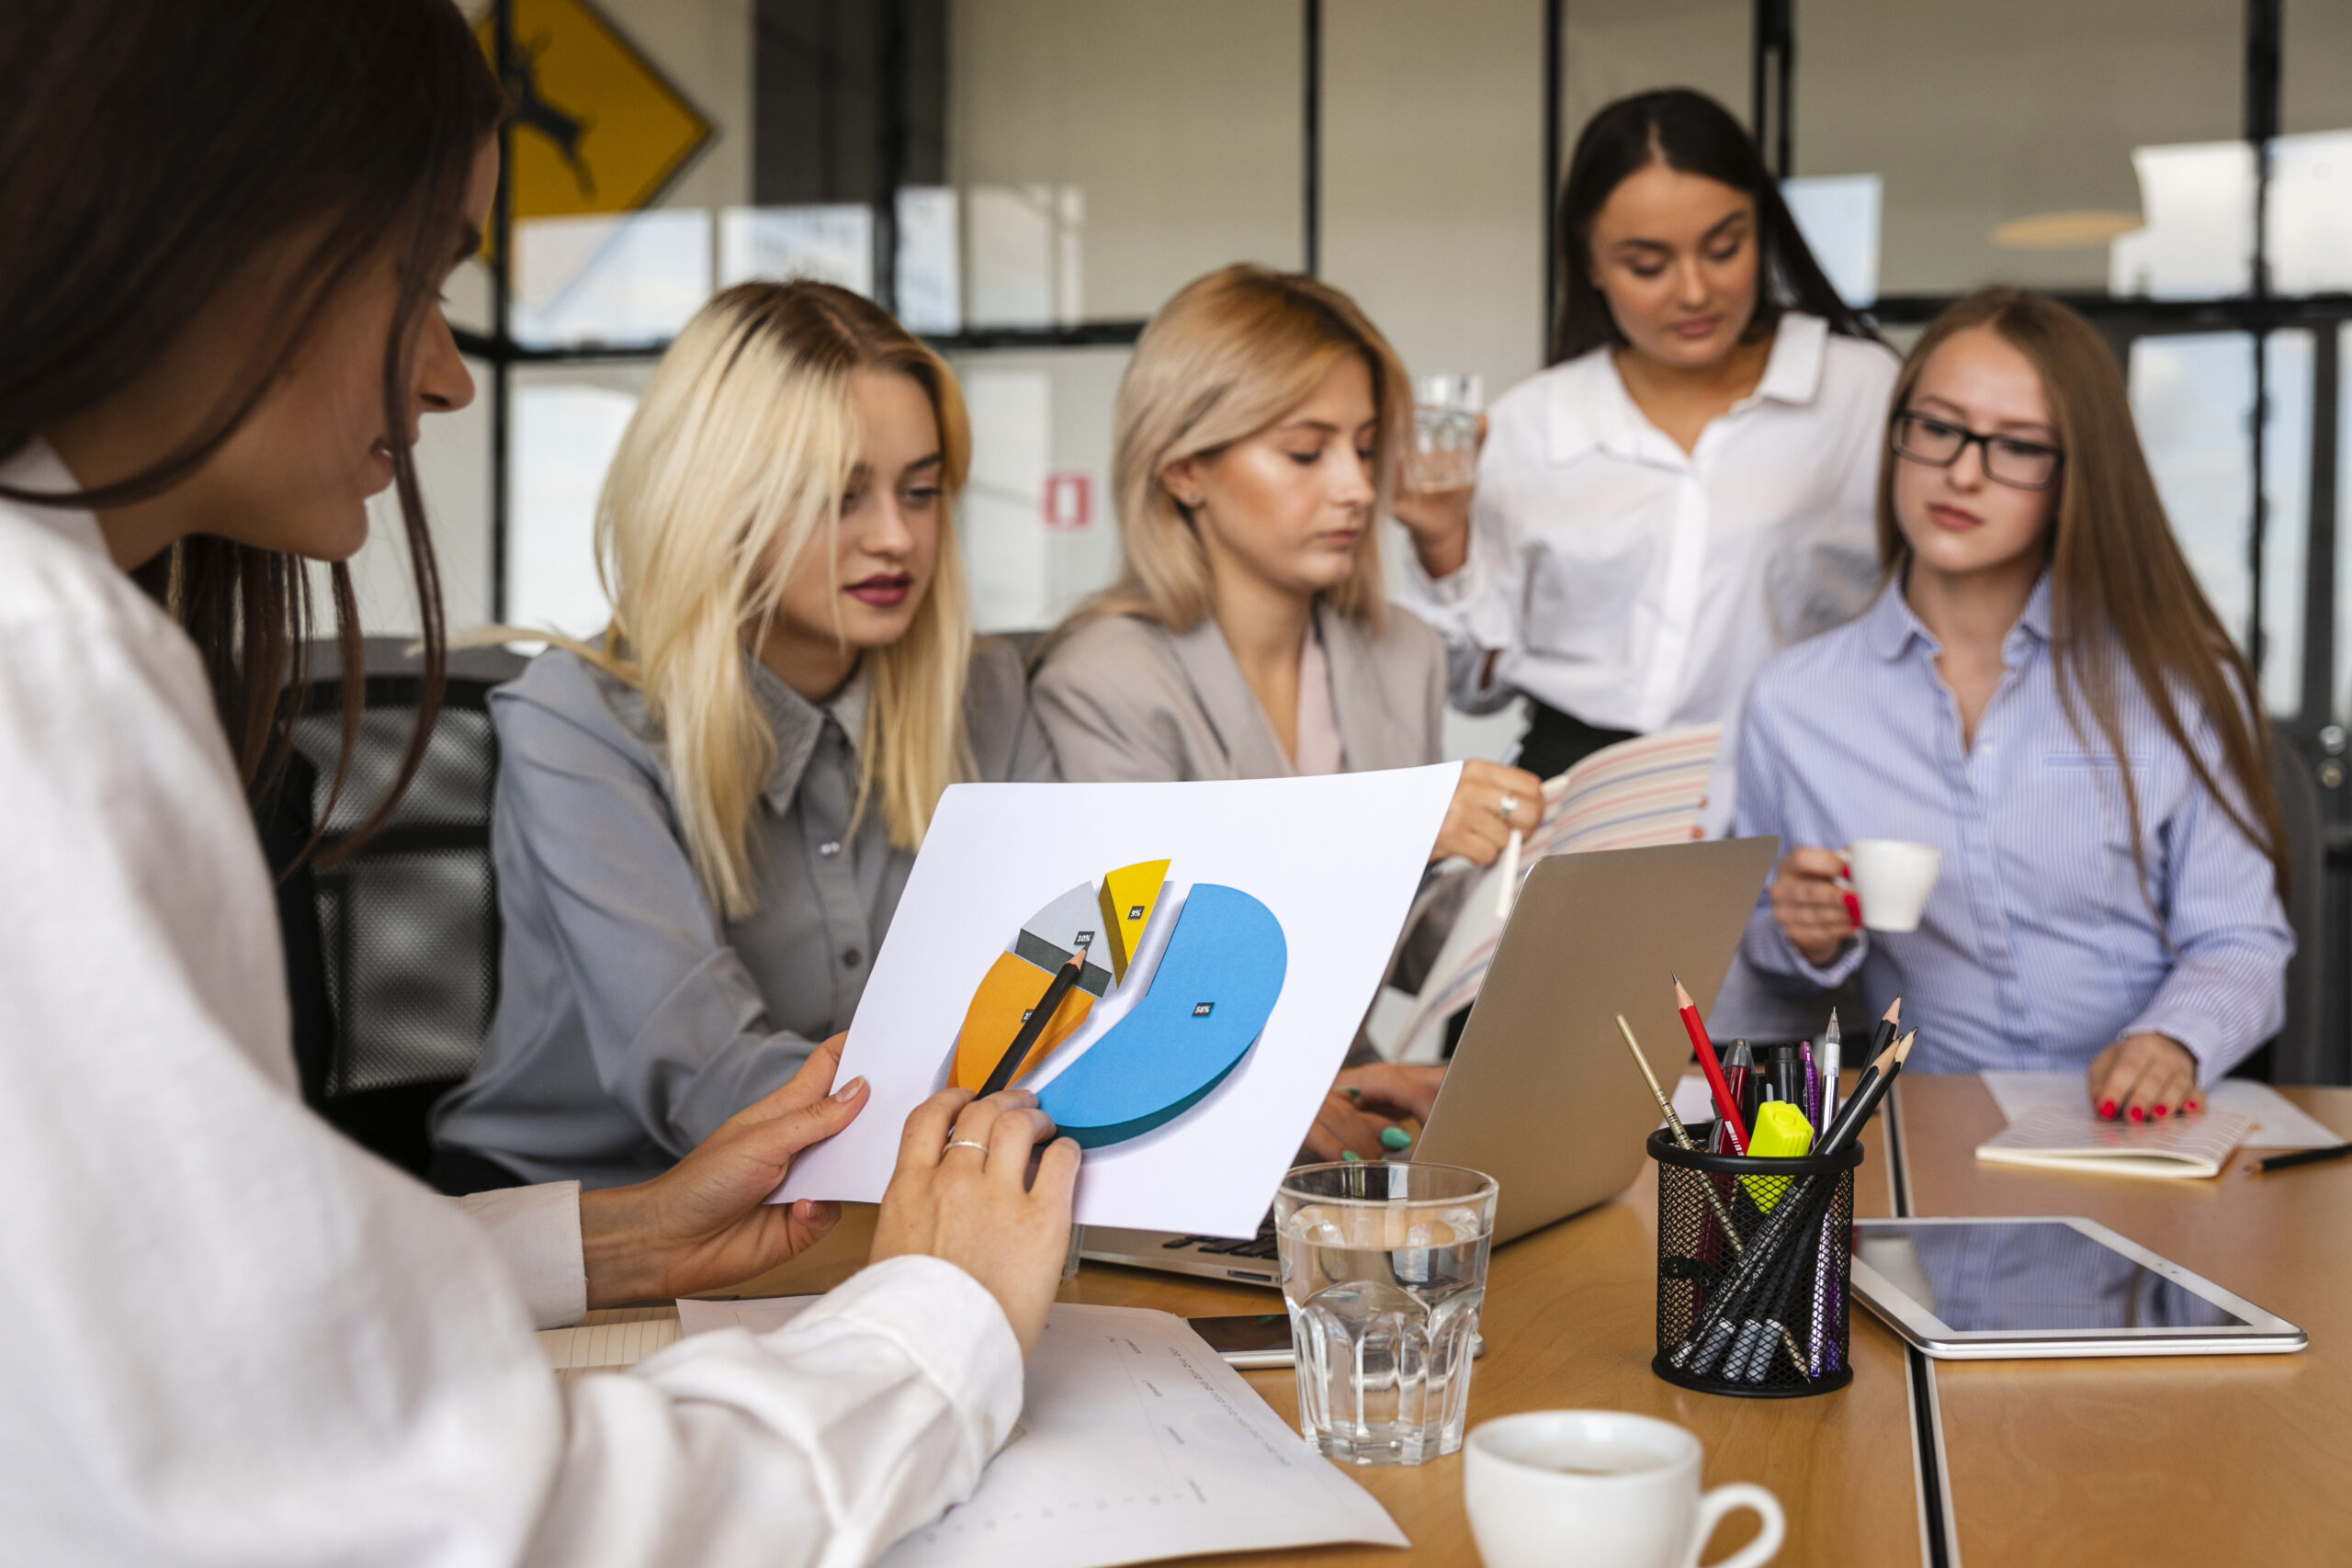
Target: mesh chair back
{"points": [[408, 924], [2298, 1052]]}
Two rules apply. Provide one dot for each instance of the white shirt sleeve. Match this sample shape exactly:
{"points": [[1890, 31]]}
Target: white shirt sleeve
{"points": [[535, 1231], [236, 1337]]}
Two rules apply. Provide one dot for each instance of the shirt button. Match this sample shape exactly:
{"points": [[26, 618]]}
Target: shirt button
{"points": [[852, 958], [830, 848]]}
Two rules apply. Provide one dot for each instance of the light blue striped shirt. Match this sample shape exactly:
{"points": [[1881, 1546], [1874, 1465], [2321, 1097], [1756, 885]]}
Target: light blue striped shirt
{"points": [[2038, 948]]}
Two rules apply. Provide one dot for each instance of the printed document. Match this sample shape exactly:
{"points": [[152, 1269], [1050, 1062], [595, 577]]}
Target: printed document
{"points": [[1135, 1442]]}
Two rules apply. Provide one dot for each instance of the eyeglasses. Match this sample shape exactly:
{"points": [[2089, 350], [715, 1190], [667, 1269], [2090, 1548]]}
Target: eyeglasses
{"points": [[2022, 465]]}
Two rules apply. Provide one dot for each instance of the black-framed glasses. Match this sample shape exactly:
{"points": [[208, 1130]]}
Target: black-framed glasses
{"points": [[2022, 465]]}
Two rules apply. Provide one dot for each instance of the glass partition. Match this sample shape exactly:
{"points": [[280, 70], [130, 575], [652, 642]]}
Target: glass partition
{"points": [[2005, 133], [1107, 152]]}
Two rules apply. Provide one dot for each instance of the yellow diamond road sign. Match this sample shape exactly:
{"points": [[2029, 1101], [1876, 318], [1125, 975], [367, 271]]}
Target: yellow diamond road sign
{"points": [[597, 127]]}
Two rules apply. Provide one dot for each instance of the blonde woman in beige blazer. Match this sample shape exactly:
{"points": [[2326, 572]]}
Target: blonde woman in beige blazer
{"points": [[1249, 635]]}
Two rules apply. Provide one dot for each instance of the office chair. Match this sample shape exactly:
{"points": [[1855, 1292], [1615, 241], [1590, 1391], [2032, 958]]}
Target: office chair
{"points": [[2295, 1055], [394, 996]]}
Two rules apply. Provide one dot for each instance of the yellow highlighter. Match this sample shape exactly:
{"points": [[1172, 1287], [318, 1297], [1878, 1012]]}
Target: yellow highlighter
{"points": [[1781, 1132]]}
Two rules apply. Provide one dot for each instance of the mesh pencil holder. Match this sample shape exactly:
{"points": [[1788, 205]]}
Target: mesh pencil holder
{"points": [[1752, 1269]]}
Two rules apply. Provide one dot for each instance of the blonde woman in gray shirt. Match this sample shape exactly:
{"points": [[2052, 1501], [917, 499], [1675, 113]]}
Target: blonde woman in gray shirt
{"points": [[1249, 635], [704, 822]]}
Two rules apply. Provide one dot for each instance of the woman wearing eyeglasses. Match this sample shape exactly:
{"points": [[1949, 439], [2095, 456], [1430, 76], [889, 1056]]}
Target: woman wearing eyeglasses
{"points": [[2042, 693], [1685, 492]]}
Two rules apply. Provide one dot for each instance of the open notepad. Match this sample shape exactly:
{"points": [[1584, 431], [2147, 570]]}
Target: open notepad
{"points": [[2066, 1137], [1135, 1442], [1634, 795]]}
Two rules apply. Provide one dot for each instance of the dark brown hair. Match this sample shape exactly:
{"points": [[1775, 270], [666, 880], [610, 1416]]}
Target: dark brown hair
{"points": [[1689, 132], [150, 150], [2119, 585]]}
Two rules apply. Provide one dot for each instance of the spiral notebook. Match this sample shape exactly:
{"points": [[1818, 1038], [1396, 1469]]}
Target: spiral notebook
{"points": [[2062, 1137], [1636, 793]]}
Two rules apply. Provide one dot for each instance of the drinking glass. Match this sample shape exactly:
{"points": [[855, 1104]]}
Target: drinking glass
{"points": [[1383, 1269], [1445, 432]]}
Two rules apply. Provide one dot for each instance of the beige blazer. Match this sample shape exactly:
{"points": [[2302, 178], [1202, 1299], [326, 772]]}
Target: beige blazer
{"points": [[1125, 700]]}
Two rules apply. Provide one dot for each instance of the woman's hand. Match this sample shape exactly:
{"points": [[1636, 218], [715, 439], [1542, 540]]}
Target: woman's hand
{"points": [[1487, 803], [1438, 520], [1816, 912], [2143, 1078], [1364, 1102], [704, 1223], [975, 1207]]}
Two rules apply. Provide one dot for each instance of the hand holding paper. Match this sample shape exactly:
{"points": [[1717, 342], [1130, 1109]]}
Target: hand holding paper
{"points": [[1234, 934]]}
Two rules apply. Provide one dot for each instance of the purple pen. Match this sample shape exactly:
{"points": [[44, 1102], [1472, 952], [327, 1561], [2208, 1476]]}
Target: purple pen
{"points": [[1811, 1084]]}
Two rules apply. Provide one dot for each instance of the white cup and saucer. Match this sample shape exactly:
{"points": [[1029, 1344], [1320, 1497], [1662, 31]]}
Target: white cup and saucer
{"points": [[1600, 1489]]}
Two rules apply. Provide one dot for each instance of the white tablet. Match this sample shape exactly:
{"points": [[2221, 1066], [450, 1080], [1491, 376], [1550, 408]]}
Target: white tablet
{"points": [[2010, 1289]]}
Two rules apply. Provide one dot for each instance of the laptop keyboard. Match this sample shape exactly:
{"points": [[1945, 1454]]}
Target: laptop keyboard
{"points": [[1263, 1244]]}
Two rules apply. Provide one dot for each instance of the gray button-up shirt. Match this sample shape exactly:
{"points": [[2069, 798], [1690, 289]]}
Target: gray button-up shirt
{"points": [[632, 1019]]}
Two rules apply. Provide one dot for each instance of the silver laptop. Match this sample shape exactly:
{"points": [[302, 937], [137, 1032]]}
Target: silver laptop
{"points": [[1540, 1094]]}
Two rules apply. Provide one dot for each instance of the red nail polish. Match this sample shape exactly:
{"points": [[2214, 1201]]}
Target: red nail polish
{"points": [[2136, 1115], [2189, 1105], [2107, 1109], [1854, 909], [2163, 1111]]}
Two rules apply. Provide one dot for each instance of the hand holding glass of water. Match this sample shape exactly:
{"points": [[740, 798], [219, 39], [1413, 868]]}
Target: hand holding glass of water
{"points": [[1445, 432], [1384, 1269]]}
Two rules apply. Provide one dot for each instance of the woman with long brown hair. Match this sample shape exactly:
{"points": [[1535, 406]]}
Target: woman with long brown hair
{"points": [[238, 1336], [1685, 490], [2042, 693]]}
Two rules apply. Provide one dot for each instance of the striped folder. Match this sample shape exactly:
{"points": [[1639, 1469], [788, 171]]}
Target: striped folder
{"points": [[1630, 796]]}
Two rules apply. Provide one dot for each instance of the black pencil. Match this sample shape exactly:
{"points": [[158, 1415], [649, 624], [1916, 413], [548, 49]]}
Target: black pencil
{"points": [[1035, 1025], [2300, 1156]]}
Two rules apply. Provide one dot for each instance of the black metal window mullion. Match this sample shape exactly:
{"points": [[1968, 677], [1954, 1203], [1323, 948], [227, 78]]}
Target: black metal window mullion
{"points": [[1554, 84], [2319, 560], [1310, 152], [2261, 115]]}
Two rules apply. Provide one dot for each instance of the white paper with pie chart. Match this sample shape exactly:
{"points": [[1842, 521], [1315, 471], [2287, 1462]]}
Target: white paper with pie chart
{"points": [[1233, 932], [1203, 1004]]}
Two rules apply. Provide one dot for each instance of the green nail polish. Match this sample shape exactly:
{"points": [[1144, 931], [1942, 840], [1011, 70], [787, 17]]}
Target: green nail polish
{"points": [[1352, 1093], [1351, 1156], [1395, 1138]]}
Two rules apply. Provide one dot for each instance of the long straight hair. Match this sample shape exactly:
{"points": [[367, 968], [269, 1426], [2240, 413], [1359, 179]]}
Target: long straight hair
{"points": [[1226, 356], [727, 480], [1690, 133], [2123, 598], [149, 150]]}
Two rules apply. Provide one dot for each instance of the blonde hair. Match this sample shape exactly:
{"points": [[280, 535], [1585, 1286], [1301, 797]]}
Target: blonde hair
{"points": [[1228, 356], [730, 474]]}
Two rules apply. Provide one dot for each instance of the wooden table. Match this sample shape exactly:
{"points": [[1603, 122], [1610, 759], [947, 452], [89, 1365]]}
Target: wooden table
{"points": [[1570, 1321], [2159, 1460]]}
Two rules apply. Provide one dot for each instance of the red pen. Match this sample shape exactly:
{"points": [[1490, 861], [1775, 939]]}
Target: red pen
{"points": [[1727, 1107]]}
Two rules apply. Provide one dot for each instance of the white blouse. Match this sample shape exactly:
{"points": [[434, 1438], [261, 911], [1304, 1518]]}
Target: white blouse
{"points": [[236, 1337], [1636, 586]]}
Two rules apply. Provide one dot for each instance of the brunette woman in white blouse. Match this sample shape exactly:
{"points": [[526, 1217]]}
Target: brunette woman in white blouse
{"points": [[235, 1336], [1687, 491]]}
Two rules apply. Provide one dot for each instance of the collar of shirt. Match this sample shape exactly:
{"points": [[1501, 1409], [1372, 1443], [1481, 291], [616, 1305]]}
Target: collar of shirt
{"points": [[1890, 627], [798, 724], [1591, 410], [37, 468]]}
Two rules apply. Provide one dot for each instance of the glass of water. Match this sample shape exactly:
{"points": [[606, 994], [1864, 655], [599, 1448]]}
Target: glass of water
{"points": [[1384, 1267], [1445, 432]]}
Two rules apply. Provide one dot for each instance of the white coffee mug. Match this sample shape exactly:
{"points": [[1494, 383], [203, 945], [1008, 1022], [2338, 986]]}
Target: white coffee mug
{"points": [[1600, 1489], [1893, 879]]}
